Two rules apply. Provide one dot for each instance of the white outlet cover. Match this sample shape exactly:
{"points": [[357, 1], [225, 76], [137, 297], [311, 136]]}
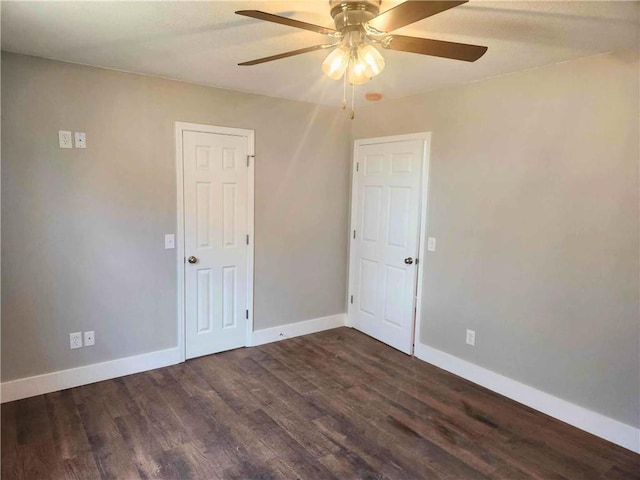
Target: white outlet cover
{"points": [[169, 241], [81, 140], [75, 340], [471, 337], [64, 139], [89, 338], [431, 244]]}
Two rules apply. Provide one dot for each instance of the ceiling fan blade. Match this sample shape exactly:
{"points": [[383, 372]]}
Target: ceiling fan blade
{"points": [[436, 48], [409, 12], [287, 54], [269, 17]]}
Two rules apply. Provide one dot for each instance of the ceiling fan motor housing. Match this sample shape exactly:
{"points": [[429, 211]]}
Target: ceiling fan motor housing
{"points": [[347, 13]]}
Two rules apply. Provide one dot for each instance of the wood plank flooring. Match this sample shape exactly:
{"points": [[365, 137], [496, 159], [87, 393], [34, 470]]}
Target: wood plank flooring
{"points": [[336, 404]]}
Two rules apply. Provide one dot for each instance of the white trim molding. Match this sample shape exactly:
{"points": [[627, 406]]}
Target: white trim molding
{"points": [[597, 424], [422, 241], [290, 330], [97, 372]]}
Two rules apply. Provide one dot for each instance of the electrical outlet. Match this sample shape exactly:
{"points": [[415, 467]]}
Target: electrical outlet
{"points": [[81, 140], [471, 337], [64, 139], [431, 244], [75, 340], [89, 338]]}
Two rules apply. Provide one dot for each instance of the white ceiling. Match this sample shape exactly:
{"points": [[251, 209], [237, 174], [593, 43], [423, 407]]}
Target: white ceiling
{"points": [[203, 41]]}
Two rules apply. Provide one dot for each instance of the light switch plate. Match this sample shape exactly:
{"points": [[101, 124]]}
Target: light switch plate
{"points": [[169, 241], [64, 139], [81, 140], [431, 244]]}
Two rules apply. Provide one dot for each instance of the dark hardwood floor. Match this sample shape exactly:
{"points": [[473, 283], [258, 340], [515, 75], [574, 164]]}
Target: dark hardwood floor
{"points": [[336, 404]]}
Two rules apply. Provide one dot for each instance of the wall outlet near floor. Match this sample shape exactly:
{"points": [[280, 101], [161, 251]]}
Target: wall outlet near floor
{"points": [[75, 340], [471, 337], [89, 338]]}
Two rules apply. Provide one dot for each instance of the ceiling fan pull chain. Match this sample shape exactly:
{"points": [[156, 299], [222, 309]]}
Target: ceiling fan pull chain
{"points": [[353, 97], [344, 92]]}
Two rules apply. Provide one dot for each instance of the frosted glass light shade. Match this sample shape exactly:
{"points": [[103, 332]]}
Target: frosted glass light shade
{"points": [[356, 73], [373, 61], [336, 62]]}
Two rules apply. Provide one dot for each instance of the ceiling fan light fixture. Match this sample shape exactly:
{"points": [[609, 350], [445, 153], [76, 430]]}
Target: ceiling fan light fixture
{"points": [[357, 71], [373, 61], [336, 62], [371, 58]]}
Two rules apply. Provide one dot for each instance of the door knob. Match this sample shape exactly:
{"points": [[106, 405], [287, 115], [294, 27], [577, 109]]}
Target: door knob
{"points": [[193, 259], [408, 260]]}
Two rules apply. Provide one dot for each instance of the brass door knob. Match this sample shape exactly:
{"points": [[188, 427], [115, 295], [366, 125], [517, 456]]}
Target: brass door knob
{"points": [[192, 259]]}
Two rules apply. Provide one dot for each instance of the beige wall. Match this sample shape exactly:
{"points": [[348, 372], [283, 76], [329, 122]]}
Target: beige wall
{"points": [[83, 230], [533, 199]]}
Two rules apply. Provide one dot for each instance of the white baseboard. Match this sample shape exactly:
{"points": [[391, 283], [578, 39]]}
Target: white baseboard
{"points": [[291, 330], [580, 417], [604, 427], [97, 372]]}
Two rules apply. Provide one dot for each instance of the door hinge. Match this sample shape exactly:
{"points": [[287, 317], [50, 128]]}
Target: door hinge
{"points": [[249, 157], [247, 239], [246, 314], [351, 298], [354, 234], [357, 166]]}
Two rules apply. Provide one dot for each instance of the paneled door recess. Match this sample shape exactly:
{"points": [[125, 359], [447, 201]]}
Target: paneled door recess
{"points": [[215, 241], [385, 238]]}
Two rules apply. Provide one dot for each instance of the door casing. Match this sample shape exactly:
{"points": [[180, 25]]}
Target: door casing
{"points": [[181, 127], [424, 189]]}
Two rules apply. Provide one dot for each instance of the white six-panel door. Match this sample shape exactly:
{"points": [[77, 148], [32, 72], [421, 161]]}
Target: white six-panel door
{"points": [[386, 224], [215, 241]]}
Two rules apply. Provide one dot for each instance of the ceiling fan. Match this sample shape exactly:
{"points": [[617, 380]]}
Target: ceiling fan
{"points": [[359, 28]]}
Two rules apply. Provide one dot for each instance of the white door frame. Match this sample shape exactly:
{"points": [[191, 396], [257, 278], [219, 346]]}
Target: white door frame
{"points": [[181, 127], [424, 194]]}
